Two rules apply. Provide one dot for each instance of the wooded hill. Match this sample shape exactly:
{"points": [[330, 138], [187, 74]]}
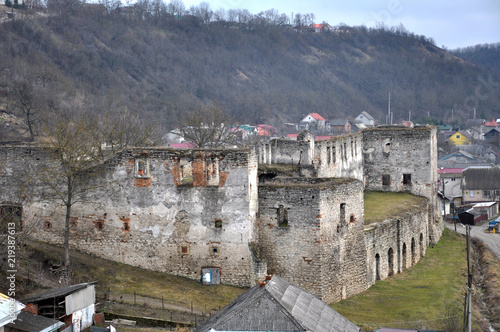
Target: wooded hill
{"points": [[159, 66]]}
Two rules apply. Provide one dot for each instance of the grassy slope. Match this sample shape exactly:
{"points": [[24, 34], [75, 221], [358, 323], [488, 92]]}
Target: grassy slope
{"points": [[123, 279], [382, 205], [417, 297]]}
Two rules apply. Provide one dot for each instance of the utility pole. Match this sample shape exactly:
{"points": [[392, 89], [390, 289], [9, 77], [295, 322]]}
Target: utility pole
{"points": [[469, 283]]}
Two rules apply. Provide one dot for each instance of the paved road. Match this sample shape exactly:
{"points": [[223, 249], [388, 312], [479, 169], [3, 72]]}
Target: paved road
{"points": [[480, 232]]}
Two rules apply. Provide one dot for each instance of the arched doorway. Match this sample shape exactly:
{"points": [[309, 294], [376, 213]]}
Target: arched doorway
{"points": [[390, 256], [377, 267], [404, 256]]}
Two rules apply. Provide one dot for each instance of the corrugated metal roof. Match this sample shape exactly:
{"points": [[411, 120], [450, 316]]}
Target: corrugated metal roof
{"points": [[481, 178], [63, 291], [277, 306]]}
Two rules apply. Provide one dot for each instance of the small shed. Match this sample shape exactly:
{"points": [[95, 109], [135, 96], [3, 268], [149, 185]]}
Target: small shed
{"points": [[73, 305], [472, 217], [491, 208]]}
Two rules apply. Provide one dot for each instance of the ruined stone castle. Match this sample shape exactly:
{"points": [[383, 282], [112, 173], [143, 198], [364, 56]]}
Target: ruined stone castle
{"points": [[290, 208]]}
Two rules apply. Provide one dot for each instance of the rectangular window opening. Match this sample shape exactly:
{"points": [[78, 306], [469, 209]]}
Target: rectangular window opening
{"points": [[342, 212], [186, 169], [386, 179], [407, 179], [184, 249], [141, 168], [282, 216]]}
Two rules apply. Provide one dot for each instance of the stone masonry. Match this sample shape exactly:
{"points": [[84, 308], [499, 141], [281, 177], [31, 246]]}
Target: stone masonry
{"points": [[292, 208]]}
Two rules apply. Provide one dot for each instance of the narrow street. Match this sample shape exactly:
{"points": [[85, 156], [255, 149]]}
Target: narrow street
{"points": [[492, 240]]}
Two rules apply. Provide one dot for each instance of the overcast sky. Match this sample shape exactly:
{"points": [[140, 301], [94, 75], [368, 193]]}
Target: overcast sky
{"points": [[452, 23]]}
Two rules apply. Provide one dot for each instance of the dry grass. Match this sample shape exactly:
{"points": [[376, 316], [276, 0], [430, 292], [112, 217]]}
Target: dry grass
{"points": [[380, 206], [419, 297], [124, 280]]}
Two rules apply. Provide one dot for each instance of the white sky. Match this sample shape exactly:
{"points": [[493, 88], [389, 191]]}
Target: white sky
{"points": [[452, 23]]}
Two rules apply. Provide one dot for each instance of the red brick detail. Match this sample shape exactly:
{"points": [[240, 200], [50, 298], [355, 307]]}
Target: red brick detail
{"points": [[31, 308], [222, 178], [142, 183], [199, 174]]}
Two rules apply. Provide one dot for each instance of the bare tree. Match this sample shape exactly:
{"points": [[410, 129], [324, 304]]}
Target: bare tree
{"points": [[208, 126], [74, 154], [31, 94]]}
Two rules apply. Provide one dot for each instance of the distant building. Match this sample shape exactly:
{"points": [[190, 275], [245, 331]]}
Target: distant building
{"points": [[480, 184], [312, 121], [341, 126], [321, 27], [459, 138], [366, 119]]}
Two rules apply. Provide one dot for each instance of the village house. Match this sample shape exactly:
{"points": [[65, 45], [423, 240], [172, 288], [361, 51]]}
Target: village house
{"points": [[366, 119], [321, 27], [480, 184], [313, 122], [459, 138], [341, 126]]}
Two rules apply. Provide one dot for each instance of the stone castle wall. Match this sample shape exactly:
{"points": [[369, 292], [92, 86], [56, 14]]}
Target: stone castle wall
{"points": [[402, 159], [311, 233], [396, 244], [179, 211], [165, 210]]}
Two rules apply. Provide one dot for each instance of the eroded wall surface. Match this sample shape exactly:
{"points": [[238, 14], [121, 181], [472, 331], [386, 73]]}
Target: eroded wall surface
{"points": [[404, 159], [396, 244], [164, 210], [311, 233]]}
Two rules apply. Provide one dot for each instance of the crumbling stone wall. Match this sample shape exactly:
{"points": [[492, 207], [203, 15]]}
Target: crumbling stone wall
{"points": [[311, 233], [396, 244], [179, 211], [404, 159], [166, 210], [340, 157], [281, 151]]}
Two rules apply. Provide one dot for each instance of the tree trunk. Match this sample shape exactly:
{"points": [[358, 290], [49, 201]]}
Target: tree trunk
{"points": [[69, 203]]}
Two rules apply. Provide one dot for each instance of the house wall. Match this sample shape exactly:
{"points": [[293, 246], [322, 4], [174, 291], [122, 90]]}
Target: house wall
{"points": [[410, 231], [392, 154], [317, 250], [165, 221]]}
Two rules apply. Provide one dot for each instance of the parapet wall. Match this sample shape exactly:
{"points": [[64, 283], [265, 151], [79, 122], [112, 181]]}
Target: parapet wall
{"points": [[396, 244]]}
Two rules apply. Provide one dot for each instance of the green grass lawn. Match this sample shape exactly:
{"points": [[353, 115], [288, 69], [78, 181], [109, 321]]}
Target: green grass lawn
{"points": [[383, 205], [418, 298]]}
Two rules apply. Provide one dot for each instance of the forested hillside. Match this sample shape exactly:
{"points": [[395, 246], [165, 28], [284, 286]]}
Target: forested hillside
{"points": [[485, 55], [158, 64]]}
